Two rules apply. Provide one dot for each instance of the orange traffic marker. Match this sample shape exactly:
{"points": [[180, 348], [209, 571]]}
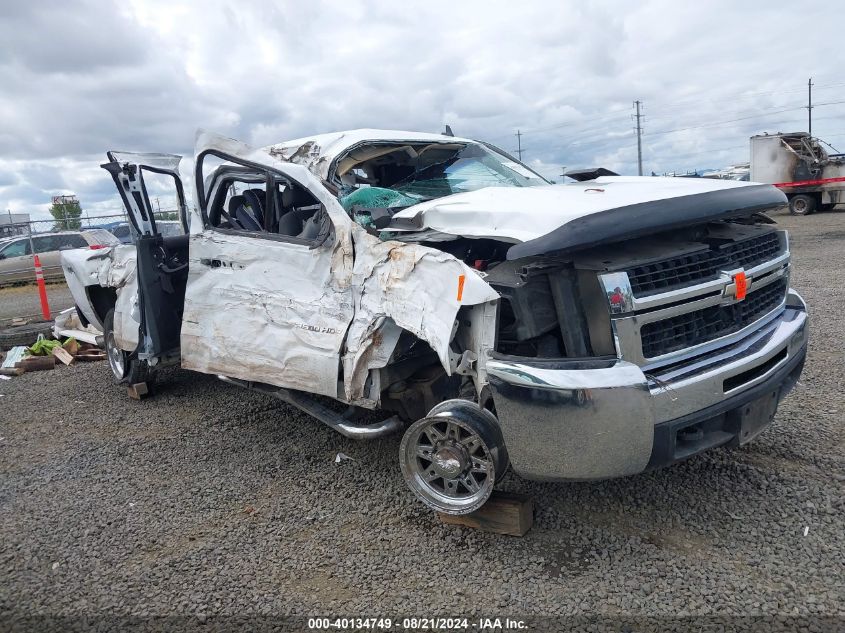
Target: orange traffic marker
{"points": [[42, 289]]}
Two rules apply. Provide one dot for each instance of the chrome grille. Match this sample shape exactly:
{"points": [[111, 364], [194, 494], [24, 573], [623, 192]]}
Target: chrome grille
{"points": [[701, 326], [692, 268]]}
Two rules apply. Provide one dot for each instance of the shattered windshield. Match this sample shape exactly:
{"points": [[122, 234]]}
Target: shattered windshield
{"points": [[379, 179], [467, 169], [401, 175]]}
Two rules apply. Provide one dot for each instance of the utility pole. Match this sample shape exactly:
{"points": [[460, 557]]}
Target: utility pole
{"points": [[810, 107], [639, 129], [519, 145], [563, 173]]}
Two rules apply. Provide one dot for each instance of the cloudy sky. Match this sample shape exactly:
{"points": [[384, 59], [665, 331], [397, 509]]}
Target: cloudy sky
{"points": [[82, 77]]}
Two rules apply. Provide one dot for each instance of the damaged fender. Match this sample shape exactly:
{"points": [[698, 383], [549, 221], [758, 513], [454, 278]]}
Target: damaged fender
{"points": [[419, 289], [107, 268]]}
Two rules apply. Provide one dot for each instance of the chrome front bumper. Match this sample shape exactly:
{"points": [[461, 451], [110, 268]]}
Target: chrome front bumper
{"points": [[596, 419]]}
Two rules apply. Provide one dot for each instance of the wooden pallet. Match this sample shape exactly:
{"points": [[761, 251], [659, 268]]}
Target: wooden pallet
{"points": [[138, 391], [509, 513]]}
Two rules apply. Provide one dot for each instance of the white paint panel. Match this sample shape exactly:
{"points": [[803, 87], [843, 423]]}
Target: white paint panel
{"points": [[520, 214], [269, 311]]}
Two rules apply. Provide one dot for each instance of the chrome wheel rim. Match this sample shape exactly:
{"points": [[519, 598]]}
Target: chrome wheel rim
{"points": [[447, 464], [115, 356]]}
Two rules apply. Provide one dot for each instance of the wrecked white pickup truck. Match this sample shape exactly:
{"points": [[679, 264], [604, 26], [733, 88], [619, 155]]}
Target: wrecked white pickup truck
{"points": [[582, 331]]}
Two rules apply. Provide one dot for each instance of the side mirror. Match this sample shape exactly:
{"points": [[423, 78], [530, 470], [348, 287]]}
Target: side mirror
{"points": [[2, 256]]}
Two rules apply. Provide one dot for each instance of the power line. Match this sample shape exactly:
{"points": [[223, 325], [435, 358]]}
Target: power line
{"points": [[769, 124], [639, 139], [682, 103], [810, 107], [694, 97], [576, 142], [706, 151], [718, 123], [592, 119]]}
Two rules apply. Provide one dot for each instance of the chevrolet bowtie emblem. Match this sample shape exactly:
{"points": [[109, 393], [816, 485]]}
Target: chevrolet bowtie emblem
{"points": [[738, 286]]}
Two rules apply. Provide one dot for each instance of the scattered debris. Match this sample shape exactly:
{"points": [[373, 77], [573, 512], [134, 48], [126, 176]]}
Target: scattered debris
{"points": [[20, 358], [72, 346], [37, 363], [341, 456], [806, 530], [63, 355], [88, 354], [43, 346], [14, 356]]}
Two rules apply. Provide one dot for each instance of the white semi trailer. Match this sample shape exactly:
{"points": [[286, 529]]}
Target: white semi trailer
{"points": [[798, 165]]}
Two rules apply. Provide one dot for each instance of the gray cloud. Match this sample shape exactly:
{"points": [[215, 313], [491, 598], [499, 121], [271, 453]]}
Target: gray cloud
{"points": [[82, 77], [69, 38]]}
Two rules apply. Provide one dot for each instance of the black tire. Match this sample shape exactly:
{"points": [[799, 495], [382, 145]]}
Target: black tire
{"points": [[802, 204], [484, 422], [126, 368], [25, 334], [452, 458]]}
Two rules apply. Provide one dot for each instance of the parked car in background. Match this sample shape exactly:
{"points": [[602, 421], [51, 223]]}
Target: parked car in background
{"points": [[16, 257], [123, 232]]}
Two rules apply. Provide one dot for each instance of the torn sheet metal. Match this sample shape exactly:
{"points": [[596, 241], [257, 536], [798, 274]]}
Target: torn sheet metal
{"points": [[68, 325], [317, 153], [420, 288], [478, 333], [127, 312], [110, 268], [378, 340]]}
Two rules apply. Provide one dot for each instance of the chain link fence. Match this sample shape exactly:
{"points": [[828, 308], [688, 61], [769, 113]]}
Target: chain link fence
{"points": [[12, 225], [22, 238]]}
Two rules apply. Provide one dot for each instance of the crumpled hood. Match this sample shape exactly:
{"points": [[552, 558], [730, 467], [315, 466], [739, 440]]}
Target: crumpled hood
{"points": [[584, 213]]}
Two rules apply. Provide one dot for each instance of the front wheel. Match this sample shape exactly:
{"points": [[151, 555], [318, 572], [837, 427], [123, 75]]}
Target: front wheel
{"points": [[452, 458], [802, 204], [126, 368]]}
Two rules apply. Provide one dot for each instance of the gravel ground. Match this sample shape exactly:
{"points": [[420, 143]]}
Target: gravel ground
{"points": [[24, 301], [208, 499]]}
